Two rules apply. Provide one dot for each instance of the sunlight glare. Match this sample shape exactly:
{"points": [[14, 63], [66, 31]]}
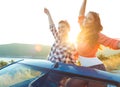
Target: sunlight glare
{"points": [[73, 36]]}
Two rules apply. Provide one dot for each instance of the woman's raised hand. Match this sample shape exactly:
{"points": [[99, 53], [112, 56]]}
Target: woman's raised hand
{"points": [[46, 11]]}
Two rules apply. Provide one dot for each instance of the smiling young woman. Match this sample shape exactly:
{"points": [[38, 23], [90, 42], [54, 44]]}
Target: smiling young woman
{"points": [[90, 38], [62, 50]]}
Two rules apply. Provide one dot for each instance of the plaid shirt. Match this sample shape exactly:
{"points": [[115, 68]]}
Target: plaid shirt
{"points": [[61, 52]]}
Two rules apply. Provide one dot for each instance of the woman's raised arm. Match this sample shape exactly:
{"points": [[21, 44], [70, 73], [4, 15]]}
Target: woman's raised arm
{"points": [[49, 16], [83, 8]]}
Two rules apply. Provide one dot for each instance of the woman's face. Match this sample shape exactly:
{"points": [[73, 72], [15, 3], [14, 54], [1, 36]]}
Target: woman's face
{"points": [[63, 30], [88, 21]]}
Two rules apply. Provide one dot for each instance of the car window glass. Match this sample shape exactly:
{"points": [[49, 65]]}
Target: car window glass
{"points": [[52, 79], [82, 82], [110, 85], [61, 79], [17, 73]]}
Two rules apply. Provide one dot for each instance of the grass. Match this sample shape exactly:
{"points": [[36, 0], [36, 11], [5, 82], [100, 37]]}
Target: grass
{"points": [[112, 62]]}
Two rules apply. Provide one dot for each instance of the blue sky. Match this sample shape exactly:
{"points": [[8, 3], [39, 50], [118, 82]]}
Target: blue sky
{"points": [[23, 21]]}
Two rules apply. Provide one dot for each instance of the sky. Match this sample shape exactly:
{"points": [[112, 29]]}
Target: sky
{"points": [[24, 21]]}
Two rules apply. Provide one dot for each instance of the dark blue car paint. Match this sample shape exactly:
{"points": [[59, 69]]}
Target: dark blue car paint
{"points": [[87, 72]]}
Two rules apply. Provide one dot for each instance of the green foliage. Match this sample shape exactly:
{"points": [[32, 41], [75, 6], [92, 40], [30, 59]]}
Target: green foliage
{"points": [[111, 62], [3, 63], [102, 57], [11, 61]]}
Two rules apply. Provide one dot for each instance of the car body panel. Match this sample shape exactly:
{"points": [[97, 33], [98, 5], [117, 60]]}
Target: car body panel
{"points": [[87, 72], [38, 63]]}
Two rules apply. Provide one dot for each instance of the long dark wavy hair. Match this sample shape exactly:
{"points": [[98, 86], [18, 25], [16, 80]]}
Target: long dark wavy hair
{"points": [[90, 35]]}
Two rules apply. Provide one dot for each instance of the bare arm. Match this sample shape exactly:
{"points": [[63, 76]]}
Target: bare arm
{"points": [[51, 25], [119, 45], [49, 16], [83, 8]]}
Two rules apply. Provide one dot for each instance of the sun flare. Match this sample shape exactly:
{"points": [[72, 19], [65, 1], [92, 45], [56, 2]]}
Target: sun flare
{"points": [[73, 36]]}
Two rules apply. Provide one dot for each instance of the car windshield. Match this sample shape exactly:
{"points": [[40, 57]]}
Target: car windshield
{"points": [[19, 73]]}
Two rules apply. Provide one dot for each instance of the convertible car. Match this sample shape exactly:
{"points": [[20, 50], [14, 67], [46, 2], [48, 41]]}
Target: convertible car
{"points": [[43, 73]]}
